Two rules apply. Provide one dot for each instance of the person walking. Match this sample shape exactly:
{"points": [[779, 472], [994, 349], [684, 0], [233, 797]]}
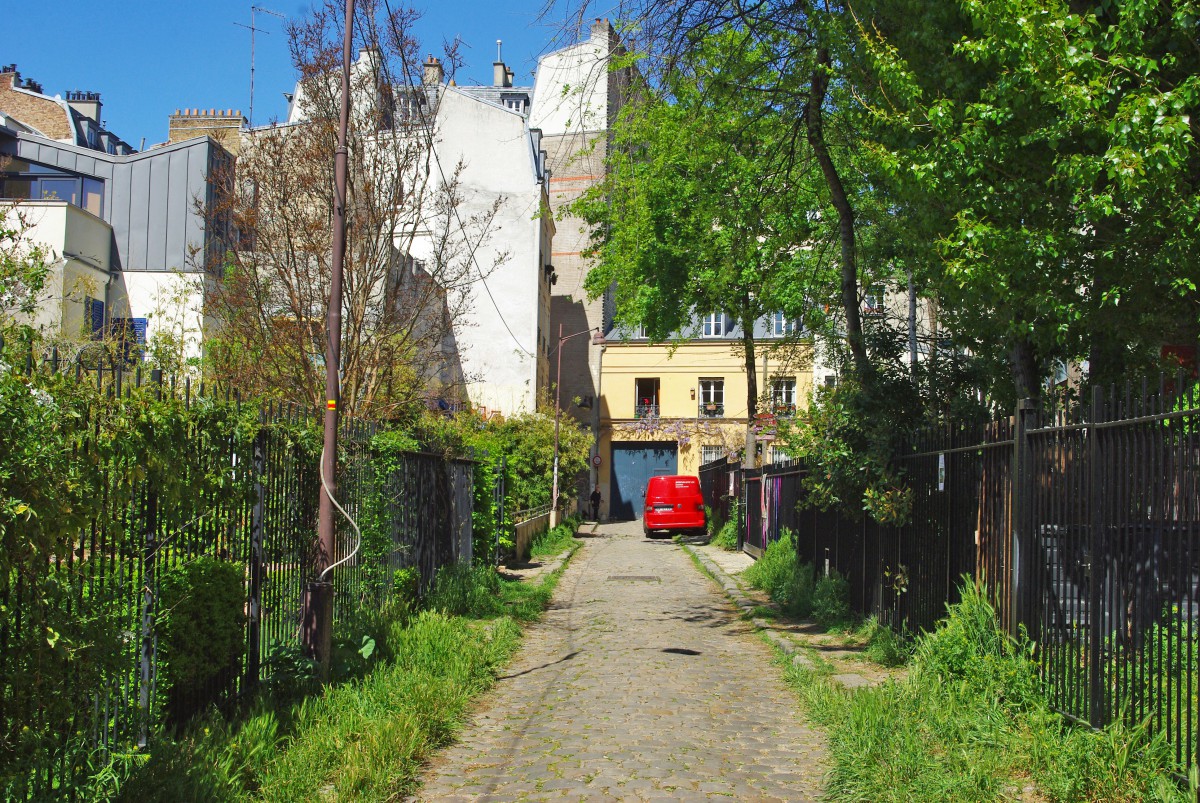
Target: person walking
{"points": [[596, 504]]}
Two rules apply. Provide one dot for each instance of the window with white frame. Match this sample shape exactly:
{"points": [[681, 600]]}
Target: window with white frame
{"points": [[709, 454], [712, 397], [778, 455], [782, 325], [873, 300], [713, 325], [783, 393]]}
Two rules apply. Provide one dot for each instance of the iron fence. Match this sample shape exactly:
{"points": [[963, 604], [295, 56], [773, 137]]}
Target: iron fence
{"points": [[1083, 522], [229, 524], [720, 485]]}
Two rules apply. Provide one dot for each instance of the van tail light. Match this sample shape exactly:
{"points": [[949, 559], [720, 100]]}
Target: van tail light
{"points": [[699, 506]]}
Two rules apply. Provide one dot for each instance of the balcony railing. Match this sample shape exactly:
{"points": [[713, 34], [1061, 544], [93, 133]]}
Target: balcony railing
{"points": [[712, 410], [783, 410], [645, 410]]}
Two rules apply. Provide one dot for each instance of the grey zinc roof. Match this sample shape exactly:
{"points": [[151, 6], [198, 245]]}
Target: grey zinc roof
{"points": [[762, 331], [149, 196], [496, 94]]}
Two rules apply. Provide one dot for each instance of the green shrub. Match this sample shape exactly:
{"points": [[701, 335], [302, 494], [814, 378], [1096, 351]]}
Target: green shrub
{"points": [[201, 632], [831, 601], [727, 537], [554, 540], [969, 647], [463, 590], [779, 572], [885, 646]]}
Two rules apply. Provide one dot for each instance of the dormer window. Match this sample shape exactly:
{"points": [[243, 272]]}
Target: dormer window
{"points": [[782, 326], [713, 325]]}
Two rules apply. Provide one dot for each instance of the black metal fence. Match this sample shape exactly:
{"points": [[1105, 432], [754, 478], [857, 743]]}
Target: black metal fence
{"points": [[1082, 521], [100, 643], [720, 485]]}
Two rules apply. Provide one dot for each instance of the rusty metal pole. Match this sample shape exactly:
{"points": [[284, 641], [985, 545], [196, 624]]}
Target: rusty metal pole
{"points": [[318, 608]]}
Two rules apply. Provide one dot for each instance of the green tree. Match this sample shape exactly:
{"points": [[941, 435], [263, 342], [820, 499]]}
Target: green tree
{"points": [[24, 269], [704, 208], [1048, 152]]}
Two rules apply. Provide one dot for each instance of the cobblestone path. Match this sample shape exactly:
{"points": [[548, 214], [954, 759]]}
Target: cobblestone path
{"points": [[640, 683]]}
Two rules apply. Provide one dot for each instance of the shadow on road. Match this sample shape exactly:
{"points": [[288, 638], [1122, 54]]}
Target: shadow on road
{"points": [[566, 657]]}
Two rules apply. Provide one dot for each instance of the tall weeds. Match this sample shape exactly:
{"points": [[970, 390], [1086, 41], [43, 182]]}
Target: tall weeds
{"points": [[970, 724]]}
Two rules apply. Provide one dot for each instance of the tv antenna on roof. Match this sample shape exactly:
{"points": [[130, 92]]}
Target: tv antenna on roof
{"points": [[252, 28]]}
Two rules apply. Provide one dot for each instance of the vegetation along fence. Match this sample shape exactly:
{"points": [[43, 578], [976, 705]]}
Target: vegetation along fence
{"points": [[159, 567], [719, 484], [1083, 521]]}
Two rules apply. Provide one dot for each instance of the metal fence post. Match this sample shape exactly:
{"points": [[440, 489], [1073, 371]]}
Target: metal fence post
{"points": [[1021, 599], [147, 653], [1022, 509], [499, 490], [1097, 566], [257, 518]]}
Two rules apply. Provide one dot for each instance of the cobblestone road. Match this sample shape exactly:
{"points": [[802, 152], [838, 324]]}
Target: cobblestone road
{"points": [[640, 683]]}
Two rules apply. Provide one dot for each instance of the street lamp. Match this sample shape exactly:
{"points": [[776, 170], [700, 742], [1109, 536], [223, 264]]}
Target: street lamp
{"points": [[597, 339]]}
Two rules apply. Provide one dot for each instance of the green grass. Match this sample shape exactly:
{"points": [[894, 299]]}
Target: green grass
{"points": [[789, 583], [554, 541], [364, 739], [727, 537], [970, 724]]}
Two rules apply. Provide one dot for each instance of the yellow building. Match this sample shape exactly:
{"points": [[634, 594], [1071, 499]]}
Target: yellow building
{"points": [[667, 408]]}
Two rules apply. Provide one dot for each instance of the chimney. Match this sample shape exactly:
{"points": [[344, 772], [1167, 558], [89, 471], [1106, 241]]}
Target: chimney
{"points": [[433, 72], [601, 29], [86, 103], [500, 73]]}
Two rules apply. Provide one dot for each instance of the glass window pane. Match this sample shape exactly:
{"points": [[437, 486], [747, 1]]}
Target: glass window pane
{"points": [[93, 196], [61, 189], [16, 188]]}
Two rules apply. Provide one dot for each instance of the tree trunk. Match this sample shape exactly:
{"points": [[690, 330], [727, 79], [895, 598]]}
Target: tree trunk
{"points": [[1025, 373], [751, 389], [837, 192]]}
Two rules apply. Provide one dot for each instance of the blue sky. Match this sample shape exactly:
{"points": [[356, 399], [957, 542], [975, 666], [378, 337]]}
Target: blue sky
{"points": [[148, 59]]}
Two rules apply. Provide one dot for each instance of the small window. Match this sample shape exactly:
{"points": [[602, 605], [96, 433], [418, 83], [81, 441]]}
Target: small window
{"points": [[93, 196], [711, 454], [94, 310], [782, 326], [873, 300], [646, 399], [714, 325], [783, 396], [712, 398], [830, 380]]}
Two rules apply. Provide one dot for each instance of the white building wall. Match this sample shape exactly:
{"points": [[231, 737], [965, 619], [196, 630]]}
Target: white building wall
{"points": [[499, 342]]}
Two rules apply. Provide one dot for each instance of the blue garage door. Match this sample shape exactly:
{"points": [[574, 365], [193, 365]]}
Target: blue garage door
{"points": [[633, 464]]}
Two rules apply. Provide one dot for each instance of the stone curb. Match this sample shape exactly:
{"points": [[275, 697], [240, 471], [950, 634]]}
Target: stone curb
{"points": [[744, 603]]}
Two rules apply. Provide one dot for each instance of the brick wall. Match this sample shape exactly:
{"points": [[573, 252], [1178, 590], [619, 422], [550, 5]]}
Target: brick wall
{"points": [[37, 111], [223, 125]]}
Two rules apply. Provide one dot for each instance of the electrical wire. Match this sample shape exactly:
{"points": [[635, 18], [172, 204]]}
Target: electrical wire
{"points": [[454, 208], [341, 510]]}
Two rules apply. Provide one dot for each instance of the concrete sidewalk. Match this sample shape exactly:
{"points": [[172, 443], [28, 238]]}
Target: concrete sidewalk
{"points": [[642, 682]]}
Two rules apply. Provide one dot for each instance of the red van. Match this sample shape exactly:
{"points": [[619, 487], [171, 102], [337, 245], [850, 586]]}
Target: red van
{"points": [[673, 503]]}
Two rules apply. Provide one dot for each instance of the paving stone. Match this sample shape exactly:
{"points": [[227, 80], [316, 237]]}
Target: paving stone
{"points": [[635, 690], [852, 681]]}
